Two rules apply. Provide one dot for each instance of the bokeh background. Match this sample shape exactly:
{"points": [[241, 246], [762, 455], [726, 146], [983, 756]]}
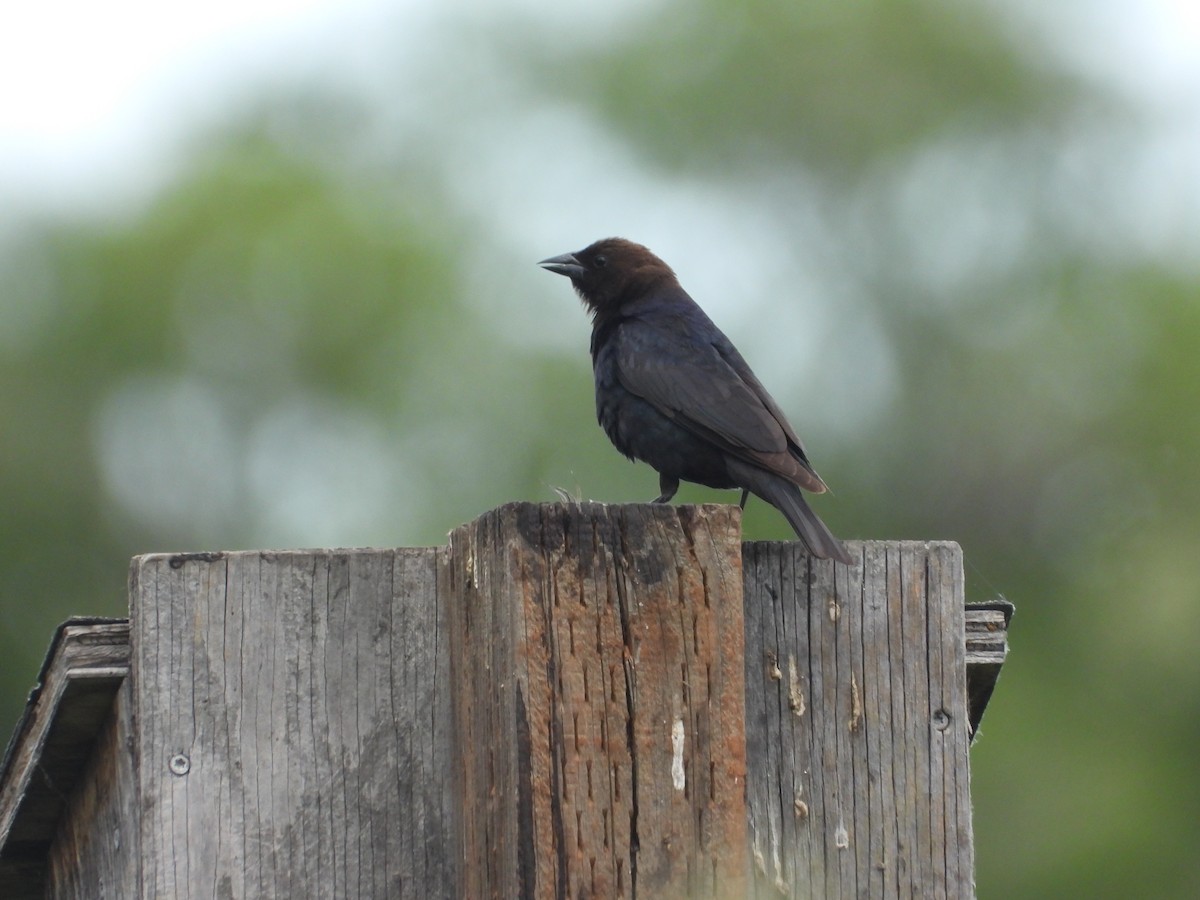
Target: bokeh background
{"points": [[267, 280]]}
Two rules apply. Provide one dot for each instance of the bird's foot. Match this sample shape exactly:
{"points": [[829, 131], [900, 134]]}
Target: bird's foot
{"points": [[667, 487]]}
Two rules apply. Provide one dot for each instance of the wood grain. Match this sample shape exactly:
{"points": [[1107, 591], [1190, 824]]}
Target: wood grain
{"points": [[46, 762], [567, 700], [598, 664], [293, 725], [857, 724]]}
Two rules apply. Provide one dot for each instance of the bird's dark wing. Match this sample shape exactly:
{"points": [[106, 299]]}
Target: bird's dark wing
{"points": [[687, 374], [730, 354]]}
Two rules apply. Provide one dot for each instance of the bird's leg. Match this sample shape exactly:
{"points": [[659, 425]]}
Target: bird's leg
{"points": [[745, 496], [667, 486]]}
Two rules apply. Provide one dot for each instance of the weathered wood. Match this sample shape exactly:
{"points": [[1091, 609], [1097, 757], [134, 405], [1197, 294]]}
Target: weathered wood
{"points": [[559, 703], [857, 722], [86, 664], [95, 853], [987, 648], [598, 658], [293, 725]]}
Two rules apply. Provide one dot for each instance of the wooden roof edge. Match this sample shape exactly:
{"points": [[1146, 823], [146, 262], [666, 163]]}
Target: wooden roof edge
{"points": [[86, 663], [987, 648]]}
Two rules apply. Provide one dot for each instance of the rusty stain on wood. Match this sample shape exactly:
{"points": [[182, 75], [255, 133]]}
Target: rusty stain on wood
{"points": [[639, 782]]}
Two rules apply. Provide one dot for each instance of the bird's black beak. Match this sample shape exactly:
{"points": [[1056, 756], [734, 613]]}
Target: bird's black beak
{"points": [[566, 264]]}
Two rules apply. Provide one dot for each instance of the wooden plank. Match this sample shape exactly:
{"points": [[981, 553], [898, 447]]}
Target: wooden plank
{"points": [[560, 703], [293, 725], [987, 648], [95, 852], [599, 676], [858, 778], [86, 664]]}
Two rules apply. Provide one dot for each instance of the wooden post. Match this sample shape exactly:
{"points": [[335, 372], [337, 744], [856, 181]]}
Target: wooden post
{"points": [[598, 661], [294, 721], [857, 722], [563, 701]]}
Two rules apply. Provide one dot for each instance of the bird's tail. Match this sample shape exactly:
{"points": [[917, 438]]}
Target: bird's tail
{"points": [[788, 499]]}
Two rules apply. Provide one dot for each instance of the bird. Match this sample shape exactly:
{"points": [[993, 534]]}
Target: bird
{"points": [[673, 391]]}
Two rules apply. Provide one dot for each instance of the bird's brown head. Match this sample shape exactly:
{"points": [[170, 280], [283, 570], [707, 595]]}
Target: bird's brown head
{"points": [[610, 272]]}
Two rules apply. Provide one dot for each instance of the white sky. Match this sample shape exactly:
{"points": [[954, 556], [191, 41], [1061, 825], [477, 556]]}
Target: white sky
{"points": [[91, 93]]}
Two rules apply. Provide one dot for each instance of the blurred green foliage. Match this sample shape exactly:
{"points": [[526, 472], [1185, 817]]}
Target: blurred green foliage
{"points": [[292, 346]]}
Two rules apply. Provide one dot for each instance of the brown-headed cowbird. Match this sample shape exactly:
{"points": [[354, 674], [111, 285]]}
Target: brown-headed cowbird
{"points": [[672, 391]]}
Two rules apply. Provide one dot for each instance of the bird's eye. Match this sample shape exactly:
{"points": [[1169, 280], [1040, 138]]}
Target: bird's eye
{"points": [[600, 261]]}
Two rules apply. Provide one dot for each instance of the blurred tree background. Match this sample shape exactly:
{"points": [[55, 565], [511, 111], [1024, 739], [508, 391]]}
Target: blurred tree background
{"points": [[964, 261]]}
